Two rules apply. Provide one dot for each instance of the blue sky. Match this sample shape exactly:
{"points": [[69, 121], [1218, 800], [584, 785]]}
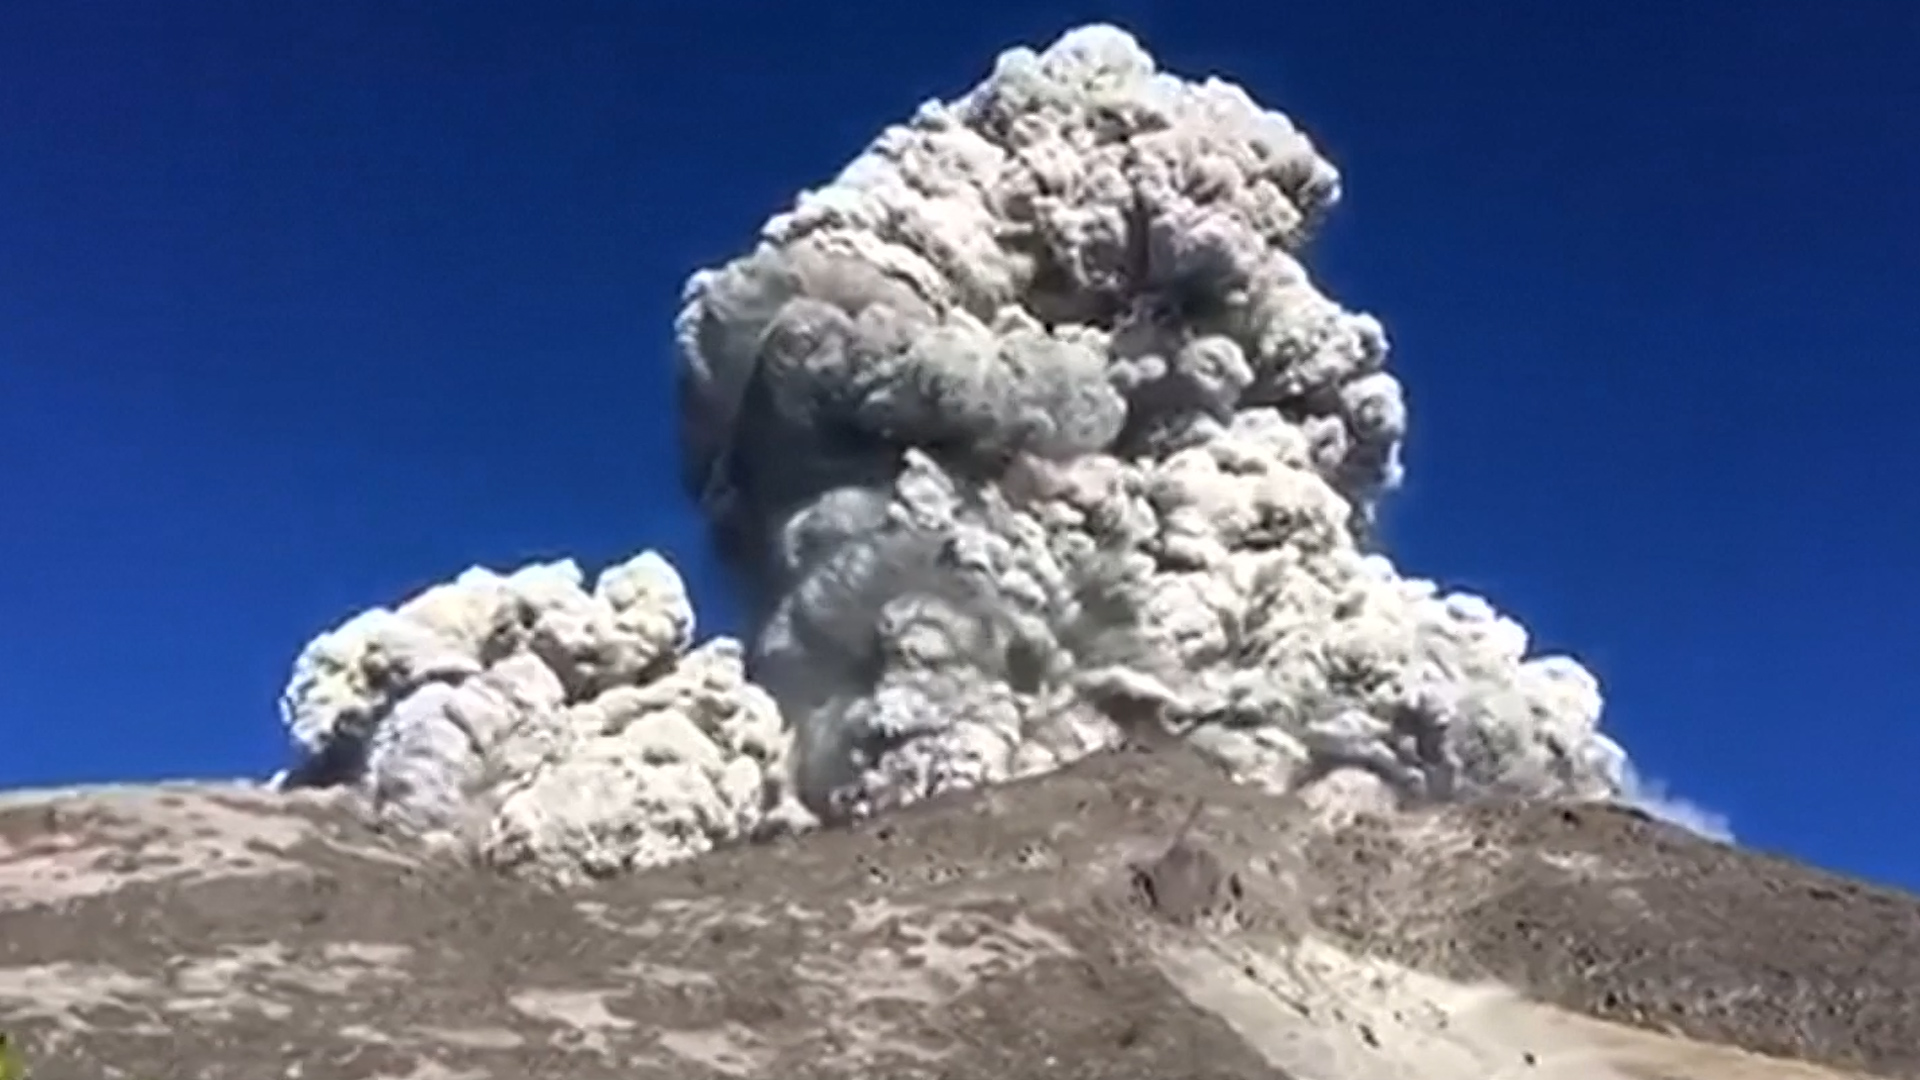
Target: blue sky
{"points": [[305, 306]]}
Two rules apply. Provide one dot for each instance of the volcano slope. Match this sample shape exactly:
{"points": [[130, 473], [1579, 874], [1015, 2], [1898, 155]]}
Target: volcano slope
{"points": [[1130, 916]]}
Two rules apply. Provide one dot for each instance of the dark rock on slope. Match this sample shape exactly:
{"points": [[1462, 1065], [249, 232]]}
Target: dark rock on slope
{"points": [[1130, 917]]}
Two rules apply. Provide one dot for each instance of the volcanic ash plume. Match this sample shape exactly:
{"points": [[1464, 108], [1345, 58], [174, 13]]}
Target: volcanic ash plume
{"points": [[1027, 434], [542, 725], [1031, 427]]}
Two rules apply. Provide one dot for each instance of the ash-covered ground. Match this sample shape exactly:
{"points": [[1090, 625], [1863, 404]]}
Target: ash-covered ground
{"points": [[1132, 916]]}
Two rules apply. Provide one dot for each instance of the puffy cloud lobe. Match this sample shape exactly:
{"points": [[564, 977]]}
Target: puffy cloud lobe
{"points": [[544, 726]]}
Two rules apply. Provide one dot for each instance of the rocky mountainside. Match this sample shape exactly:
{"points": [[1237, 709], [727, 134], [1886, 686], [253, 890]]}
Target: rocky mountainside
{"points": [[1131, 916]]}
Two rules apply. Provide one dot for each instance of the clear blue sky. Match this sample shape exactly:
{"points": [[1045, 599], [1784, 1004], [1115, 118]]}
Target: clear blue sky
{"points": [[305, 306]]}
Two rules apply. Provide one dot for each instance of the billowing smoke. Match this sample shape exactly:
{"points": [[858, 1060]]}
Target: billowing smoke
{"points": [[536, 723], [1031, 427], [1027, 434]]}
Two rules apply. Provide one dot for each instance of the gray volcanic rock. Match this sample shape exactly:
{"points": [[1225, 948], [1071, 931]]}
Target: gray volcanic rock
{"points": [[1131, 916]]}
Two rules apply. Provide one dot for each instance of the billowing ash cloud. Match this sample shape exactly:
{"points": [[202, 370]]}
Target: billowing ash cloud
{"points": [[542, 725], [1031, 425], [1027, 434]]}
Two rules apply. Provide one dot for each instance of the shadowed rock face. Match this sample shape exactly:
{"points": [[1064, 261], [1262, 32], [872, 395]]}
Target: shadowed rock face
{"points": [[1130, 917]]}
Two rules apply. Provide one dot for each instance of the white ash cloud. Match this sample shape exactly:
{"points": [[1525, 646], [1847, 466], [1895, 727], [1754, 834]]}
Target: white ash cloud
{"points": [[1654, 797], [536, 723], [1031, 424], [1027, 431]]}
